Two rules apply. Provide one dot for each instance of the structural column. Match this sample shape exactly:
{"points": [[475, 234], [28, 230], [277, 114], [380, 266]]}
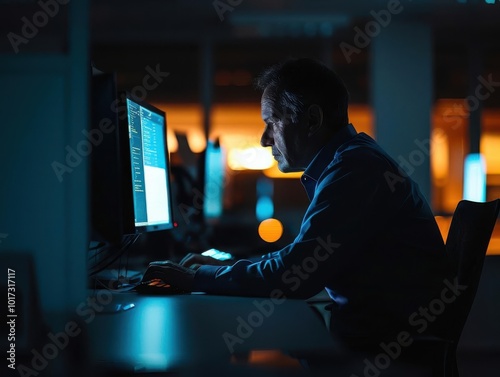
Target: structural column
{"points": [[402, 96], [207, 79]]}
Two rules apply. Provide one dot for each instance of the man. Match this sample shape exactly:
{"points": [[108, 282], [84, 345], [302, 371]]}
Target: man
{"points": [[368, 235]]}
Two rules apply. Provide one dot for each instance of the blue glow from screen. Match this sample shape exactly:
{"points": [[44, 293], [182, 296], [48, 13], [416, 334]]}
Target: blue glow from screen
{"points": [[475, 178], [153, 337], [264, 208], [265, 187], [214, 181]]}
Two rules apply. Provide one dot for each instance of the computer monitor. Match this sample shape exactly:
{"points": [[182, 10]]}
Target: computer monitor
{"points": [[213, 182], [129, 179], [149, 166], [111, 206], [129, 165]]}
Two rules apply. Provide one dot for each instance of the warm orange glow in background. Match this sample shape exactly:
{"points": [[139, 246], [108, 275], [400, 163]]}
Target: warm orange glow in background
{"points": [[494, 245], [440, 157], [490, 148], [239, 128], [449, 146], [268, 358], [270, 230]]}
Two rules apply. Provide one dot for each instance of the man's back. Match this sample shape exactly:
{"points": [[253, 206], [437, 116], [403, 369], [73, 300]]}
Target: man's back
{"points": [[390, 260]]}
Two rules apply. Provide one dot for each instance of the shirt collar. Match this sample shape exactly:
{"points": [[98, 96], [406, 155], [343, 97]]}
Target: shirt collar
{"points": [[325, 155]]}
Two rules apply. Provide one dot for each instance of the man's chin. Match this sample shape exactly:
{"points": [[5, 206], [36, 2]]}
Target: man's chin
{"points": [[285, 168]]}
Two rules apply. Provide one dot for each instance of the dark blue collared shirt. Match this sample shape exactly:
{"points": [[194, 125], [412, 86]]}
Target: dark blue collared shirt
{"points": [[368, 237]]}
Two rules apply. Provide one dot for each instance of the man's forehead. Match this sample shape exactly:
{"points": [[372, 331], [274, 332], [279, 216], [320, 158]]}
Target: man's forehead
{"points": [[267, 108], [271, 112]]}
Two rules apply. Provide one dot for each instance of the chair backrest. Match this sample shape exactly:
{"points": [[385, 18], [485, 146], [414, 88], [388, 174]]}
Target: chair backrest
{"points": [[468, 238]]}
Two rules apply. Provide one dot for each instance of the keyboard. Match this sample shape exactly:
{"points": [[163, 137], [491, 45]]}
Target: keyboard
{"points": [[158, 287]]}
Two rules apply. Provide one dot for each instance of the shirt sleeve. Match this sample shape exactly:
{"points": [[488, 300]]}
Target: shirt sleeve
{"points": [[351, 204]]}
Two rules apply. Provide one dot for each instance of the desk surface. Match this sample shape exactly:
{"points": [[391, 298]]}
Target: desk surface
{"points": [[162, 333]]}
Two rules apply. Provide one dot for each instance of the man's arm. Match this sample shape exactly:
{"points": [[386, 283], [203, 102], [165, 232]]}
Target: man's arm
{"points": [[351, 205], [194, 260]]}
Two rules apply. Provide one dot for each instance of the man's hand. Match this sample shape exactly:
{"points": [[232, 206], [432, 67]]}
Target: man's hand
{"points": [[171, 273], [194, 261]]}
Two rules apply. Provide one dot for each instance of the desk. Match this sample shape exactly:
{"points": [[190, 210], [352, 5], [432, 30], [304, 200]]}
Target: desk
{"points": [[133, 332]]}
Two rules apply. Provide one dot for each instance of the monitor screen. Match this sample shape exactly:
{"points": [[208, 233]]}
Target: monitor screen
{"points": [[214, 175], [149, 162]]}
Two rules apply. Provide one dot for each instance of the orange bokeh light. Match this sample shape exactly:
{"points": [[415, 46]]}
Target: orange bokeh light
{"points": [[270, 230]]}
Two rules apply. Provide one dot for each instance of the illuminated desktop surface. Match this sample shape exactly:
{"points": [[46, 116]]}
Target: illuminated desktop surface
{"points": [[153, 334]]}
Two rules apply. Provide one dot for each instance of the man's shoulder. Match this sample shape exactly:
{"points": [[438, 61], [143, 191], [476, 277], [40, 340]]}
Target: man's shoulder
{"points": [[362, 149]]}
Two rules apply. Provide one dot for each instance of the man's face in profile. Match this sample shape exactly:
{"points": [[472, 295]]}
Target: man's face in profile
{"points": [[286, 138]]}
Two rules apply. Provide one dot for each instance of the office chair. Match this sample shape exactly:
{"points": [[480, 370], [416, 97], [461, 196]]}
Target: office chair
{"points": [[468, 238]]}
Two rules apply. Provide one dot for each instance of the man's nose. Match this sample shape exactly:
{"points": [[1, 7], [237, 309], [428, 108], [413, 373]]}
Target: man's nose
{"points": [[266, 139]]}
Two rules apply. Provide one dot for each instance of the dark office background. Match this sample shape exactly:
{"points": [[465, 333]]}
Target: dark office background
{"points": [[212, 51]]}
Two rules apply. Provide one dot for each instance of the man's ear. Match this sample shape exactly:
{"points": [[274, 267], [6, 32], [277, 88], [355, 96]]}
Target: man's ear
{"points": [[315, 118]]}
